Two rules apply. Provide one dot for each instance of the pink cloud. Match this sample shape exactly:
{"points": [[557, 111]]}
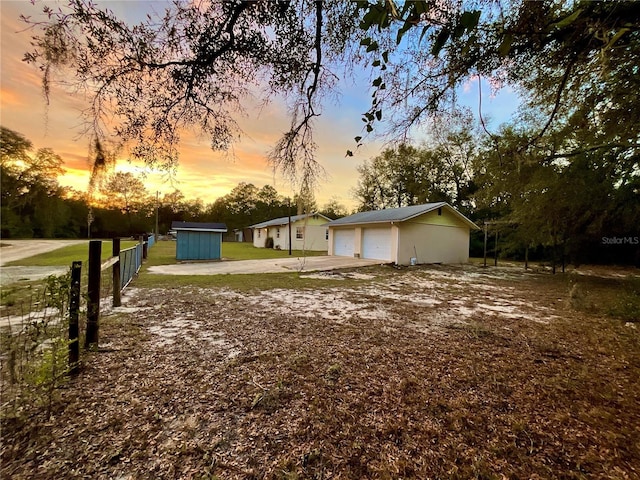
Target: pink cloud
{"points": [[202, 173]]}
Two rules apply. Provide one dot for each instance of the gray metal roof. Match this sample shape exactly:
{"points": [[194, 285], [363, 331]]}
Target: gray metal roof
{"points": [[199, 227], [397, 215], [285, 220]]}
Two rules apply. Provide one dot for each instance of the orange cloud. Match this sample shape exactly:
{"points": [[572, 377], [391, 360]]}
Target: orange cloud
{"points": [[73, 178], [10, 97], [202, 173]]}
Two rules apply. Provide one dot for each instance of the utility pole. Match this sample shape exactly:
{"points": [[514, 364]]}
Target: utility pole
{"points": [[157, 205], [289, 199]]}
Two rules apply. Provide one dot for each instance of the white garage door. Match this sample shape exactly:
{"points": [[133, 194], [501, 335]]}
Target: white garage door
{"points": [[376, 243], [343, 243]]}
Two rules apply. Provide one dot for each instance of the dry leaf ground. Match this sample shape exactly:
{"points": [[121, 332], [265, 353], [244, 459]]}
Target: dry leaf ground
{"points": [[429, 372]]}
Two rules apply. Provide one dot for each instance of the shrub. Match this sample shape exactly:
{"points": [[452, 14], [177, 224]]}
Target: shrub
{"points": [[34, 350]]}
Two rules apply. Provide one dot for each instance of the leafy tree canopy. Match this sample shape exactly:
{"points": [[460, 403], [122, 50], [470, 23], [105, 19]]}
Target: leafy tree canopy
{"points": [[29, 190], [126, 192], [575, 61], [333, 209]]}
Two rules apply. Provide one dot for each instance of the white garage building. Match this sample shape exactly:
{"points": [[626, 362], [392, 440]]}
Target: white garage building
{"points": [[429, 233]]}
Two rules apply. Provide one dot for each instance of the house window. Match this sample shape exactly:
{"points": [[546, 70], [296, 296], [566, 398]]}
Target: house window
{"points": [[278, 232], [258, 233], [326, 234], [440, 211], [299, 233]]}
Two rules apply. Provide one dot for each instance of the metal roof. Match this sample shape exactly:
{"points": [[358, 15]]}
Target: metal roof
{"points": [[398, 215], [285, 220], [199, 227]]}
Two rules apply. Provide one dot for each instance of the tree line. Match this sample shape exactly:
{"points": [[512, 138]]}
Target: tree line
{"points": [[34, 205], [583, 208], [565, 176]]}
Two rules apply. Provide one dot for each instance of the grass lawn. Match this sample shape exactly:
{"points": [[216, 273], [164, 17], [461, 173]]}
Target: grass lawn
{"points": [[22, 297], [246, 251], [250, 283], [164, 252], [66, 255]]}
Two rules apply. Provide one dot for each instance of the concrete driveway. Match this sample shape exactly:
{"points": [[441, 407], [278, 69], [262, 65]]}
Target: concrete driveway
{"points": [[274, 265], [12, 250]]}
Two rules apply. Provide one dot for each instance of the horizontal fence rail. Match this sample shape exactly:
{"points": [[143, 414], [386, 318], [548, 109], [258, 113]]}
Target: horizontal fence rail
{"points": [[124, 265]]}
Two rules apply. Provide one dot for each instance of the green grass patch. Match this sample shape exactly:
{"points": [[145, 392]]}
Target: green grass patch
{"points": [[17, 298], [23, 297], [246, 251], [66, 255], [613, 297], [625, 302], [243, 282], [164, 253]]}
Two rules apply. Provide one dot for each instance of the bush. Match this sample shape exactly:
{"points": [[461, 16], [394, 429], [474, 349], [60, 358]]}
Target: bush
{"points": [[268, 242], [34, 351]]}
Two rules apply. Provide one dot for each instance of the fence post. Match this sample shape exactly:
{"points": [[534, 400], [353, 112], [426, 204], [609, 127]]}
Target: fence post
{"points": [[74, 307], [117, 285], [145, 246], [93, 302]]}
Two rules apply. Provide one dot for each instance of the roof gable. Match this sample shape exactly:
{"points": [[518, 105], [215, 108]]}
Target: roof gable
{"points": [[285, 220], [398, 215]]}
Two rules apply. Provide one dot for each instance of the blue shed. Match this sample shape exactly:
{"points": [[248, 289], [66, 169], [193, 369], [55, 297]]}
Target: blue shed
{"points": [[198, 241]]}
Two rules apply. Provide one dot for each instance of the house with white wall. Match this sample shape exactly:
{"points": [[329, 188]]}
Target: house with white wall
{"points": [[308, 232]]}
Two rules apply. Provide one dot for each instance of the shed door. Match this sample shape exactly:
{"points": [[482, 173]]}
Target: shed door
{"points": [[198, 245], [376, 243], [343, 243]]}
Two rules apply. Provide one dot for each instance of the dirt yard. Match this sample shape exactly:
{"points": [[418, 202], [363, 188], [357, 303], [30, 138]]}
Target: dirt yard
{"points": [[430, 372]]}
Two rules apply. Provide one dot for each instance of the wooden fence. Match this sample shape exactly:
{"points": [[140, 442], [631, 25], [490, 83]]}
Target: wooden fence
{"points": [[125, 264]]}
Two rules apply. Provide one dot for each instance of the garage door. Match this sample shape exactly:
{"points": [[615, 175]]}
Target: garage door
{"points": [[343, 243], [376, 243]]}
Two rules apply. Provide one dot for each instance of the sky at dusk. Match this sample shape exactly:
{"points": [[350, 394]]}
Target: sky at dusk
{"points": [[202, 173]]}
